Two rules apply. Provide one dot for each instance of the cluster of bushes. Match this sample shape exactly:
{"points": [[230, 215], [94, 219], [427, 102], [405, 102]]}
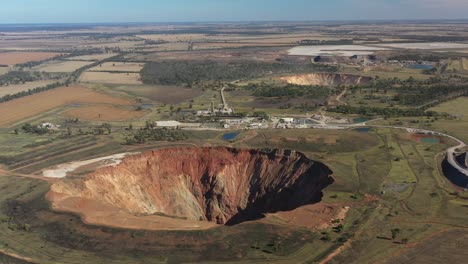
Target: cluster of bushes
{"points": [[28, 128], [289, 90], [417, 57], [190, 72], [147, 134]]}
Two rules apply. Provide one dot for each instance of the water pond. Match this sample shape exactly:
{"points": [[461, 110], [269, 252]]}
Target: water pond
{"points": [[230, 136]]}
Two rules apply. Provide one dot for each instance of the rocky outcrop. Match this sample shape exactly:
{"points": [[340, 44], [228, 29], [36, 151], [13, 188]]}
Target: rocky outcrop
{"points": [[223, 185], [327, 79], [466, 159]]}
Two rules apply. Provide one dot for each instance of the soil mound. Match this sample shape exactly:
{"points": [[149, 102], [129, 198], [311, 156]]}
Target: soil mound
{"points": [[221, 185], [327, 79]]}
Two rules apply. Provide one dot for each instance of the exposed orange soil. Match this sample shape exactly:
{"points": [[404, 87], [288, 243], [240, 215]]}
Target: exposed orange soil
{"points": [[29, 106], [314, 216], [12, 58], [102, 113], [103, 214]]}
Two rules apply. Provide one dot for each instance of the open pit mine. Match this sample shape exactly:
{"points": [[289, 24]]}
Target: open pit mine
{"points": [[327, 79], [218, 185]]}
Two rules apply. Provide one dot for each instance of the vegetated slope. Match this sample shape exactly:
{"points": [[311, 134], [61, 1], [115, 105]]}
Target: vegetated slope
{"points": [[223, 185], [327, 79]]}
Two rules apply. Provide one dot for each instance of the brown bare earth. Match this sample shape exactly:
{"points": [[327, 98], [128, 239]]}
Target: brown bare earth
{"points": [[110, 78], [317, 216], [13, 58], [29, 106], [162, 93], [102, 113], [216, 185]]}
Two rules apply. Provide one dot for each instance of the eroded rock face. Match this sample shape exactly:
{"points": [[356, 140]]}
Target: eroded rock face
{"points": [[466, 159], [327, 79], [223, 185]]}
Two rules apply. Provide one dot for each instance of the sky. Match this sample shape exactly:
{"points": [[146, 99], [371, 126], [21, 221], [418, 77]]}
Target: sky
{"points": [[101, 11]]}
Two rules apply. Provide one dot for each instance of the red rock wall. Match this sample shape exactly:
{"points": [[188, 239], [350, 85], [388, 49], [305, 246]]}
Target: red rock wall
{"points": [[223, 185]]}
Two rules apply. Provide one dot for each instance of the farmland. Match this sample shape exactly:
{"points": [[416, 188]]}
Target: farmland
{"points": [[345, 50], [160, 93], [102, 113], [26, 107], [93, 57], [426, 46], [118, 67], [16, 88], [110, 78], [13, 58], [61, 66]]}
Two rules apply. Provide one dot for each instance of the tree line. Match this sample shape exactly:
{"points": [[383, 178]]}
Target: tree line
{"points": [[192, 72], [10, 97], [381, 111]]}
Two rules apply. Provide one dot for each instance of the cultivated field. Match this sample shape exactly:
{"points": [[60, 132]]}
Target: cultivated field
{"points": [[335, 50], [12, 58], [13, 89], [102, 113], [29, 106], [161, 93], [123, 45], [93, 57], [237, 38], [110, 78], [61, 66], [118, 67], [426, 46]]}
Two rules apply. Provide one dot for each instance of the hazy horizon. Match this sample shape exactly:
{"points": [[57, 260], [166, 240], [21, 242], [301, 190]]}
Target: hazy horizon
{"points": [[184, 11]]}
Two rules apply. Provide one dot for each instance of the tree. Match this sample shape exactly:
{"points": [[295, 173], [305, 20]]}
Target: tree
{"points": [[395, 232]]}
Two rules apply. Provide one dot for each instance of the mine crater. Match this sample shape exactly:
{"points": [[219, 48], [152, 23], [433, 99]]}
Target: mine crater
{"points": [[215, 185], [327, 79]]}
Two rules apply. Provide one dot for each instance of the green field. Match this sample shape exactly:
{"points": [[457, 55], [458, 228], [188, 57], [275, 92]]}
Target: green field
{"points": [[459, 125]]}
